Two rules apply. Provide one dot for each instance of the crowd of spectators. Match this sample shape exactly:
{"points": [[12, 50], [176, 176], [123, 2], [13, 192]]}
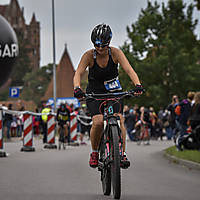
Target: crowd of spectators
{"points": [[179, 117], [12, 123]]}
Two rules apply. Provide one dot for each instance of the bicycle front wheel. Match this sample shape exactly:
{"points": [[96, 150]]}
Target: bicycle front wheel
{"points": [[105, 171], [115, 165]]}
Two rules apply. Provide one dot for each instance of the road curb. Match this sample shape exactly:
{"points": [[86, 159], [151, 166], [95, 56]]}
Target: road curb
{"points": [[186, 163]]}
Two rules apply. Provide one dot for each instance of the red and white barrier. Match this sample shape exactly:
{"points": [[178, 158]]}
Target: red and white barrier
{"points": [[2, 152], [73, 126], [51, 129], [51, 125], [28, 133]]}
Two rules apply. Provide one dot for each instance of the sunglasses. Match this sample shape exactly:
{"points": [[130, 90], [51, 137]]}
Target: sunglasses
{"points": [[101, 45]]}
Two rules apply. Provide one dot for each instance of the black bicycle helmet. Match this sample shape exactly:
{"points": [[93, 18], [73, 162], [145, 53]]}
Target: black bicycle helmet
{"points": [[101, 34], [62, 105]]}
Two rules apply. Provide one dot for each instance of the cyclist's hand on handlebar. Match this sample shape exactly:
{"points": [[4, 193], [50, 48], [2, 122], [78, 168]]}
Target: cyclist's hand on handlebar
{"points": [[138, 90], [78, 93]]}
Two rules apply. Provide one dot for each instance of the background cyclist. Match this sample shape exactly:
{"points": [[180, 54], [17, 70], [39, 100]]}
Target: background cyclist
{"points": [[63, 118], [103, 63], [146, 125]]}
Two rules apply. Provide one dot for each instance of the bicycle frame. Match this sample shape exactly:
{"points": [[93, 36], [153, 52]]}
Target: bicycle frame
{"points": [[110, 120]]}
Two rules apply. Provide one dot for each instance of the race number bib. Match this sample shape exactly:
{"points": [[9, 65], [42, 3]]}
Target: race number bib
{"points": [[112, 85]]}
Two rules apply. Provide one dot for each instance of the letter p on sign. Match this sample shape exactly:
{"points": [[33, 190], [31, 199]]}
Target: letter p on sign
{"points": [[14, 92]]}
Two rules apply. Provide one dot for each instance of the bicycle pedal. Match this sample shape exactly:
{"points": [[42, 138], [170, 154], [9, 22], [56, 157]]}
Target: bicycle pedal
{"points": [[100, 166], [125, 164]]}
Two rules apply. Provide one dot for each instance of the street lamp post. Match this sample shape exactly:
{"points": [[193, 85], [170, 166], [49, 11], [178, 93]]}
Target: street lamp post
{"points": [[54, 56]]}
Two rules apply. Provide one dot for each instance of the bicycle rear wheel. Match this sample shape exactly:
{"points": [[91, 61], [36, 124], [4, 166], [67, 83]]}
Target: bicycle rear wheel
{"points": [[59, 141], [115, 165], [105, 170]]}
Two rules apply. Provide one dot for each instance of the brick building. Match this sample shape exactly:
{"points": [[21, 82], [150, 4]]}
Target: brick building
{"points": [[15, 16], [64, 78]]}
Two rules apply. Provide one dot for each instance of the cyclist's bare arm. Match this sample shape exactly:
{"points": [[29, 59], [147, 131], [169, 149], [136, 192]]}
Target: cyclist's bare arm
{"points": [[123, 61], [84, 63]]}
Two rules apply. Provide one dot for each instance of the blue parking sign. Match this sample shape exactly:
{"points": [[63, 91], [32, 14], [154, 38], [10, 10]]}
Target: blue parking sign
{"points": [[13, 92]]}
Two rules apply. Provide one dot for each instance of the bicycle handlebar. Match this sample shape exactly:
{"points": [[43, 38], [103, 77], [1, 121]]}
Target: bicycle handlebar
{"points": [[130, 93]]}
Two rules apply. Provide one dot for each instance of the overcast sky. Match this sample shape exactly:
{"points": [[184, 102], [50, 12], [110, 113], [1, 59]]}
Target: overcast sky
{"points": [[75, 19]]}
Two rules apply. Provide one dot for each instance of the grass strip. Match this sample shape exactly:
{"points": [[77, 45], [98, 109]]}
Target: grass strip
{"points": [[191, 155]]}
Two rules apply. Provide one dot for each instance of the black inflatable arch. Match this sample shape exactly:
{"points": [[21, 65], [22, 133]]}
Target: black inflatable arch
{"points": [[9, 49]]}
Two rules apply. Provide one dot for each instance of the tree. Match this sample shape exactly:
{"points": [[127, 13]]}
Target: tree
{"points": [[197, 4], [164, 51], [22, 65], [36, 83]]}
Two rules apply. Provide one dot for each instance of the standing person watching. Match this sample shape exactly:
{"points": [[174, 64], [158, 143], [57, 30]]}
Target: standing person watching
{"points": [[130, 123], [183, 110], [8, 120], [172, 118], [36, 123], [45, 111], [103, 63], [195, 114]]}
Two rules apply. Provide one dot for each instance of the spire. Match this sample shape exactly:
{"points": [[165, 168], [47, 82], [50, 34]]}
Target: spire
{"points": [[14, 2], [65, 53], [33, 18], [65, 47], [22, 11]]}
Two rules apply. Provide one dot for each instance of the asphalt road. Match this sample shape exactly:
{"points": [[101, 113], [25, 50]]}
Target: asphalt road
{"points": [[65, 175]]}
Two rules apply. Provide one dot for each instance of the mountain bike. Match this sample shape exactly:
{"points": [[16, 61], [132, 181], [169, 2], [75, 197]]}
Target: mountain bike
{"points": [[111, 145], [144, 134]]}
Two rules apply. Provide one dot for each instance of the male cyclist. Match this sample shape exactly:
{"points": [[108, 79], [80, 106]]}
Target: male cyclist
{"points": [[63, 118], [103, 63]]}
